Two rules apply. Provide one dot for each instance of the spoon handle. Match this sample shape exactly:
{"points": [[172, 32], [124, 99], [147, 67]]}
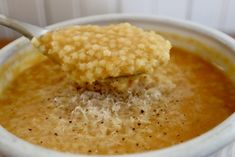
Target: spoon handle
{"points": [[25, 29]]}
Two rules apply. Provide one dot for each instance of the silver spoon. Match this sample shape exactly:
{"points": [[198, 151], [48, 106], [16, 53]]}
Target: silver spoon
{"points": [[27, 30], [31, 31]]}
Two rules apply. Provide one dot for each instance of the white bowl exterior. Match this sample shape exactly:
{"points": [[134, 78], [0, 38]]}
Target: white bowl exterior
{"points": [[205, 145]]}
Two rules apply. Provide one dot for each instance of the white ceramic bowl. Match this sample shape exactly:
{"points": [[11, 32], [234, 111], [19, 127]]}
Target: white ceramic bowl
{"points": [[205, 145]]}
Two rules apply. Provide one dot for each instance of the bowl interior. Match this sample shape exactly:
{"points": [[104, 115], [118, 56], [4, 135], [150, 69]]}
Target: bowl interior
{"points": [[210, 44]]}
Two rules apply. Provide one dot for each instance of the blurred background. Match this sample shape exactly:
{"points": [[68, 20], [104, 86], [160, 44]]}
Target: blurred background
{"points": [[219, 14]]}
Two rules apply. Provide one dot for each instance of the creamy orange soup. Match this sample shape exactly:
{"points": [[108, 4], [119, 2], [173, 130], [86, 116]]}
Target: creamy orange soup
{"points": [[180, 101]]}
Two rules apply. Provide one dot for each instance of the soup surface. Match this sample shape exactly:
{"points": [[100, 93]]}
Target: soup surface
{"points": [[180, 101]]}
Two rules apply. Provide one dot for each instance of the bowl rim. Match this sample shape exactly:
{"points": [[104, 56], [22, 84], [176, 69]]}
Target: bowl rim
{"points": [[204, 144]]}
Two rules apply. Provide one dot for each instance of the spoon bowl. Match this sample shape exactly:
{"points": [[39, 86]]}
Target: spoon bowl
{"points": [[103, 51]]}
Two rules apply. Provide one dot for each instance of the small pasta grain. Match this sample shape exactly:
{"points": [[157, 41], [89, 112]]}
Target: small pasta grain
{"points": [[100, 52]]}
